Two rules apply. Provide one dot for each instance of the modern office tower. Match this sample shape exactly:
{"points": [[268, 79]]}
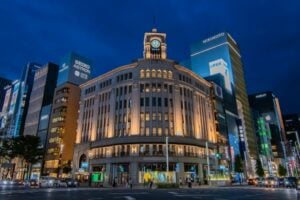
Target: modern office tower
{"points": [[266, 105], [220, 54], [74, 70], [292, 128], [3, 83], [42, 95], [20, 95], [127, 115]]}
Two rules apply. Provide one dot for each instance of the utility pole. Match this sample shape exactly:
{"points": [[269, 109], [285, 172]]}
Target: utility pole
{"points": [[208, 167]]}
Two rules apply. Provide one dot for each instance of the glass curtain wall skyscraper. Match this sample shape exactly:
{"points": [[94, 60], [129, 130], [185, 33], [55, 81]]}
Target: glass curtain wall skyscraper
{"points": [[220, 54]]}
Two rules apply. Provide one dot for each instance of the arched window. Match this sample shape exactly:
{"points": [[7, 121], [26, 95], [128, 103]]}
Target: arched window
{"points": [[82, 160], [170, 74], [142, 74], [147, 73], [153, 73], [165, 74], [159, 73]]}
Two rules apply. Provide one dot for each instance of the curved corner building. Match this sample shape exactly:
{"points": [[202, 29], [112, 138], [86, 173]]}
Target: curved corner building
{"points": [[127, 114]]}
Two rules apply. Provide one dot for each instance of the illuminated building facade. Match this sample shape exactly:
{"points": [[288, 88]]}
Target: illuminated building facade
{"points": [[127, 113], [267, 109], [74, 70]]}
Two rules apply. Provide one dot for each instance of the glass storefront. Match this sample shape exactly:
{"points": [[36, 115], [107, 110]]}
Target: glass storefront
{"points": [[157, 172]]}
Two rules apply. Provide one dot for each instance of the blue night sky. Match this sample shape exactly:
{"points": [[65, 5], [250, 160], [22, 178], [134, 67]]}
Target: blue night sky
{"points": [[110, 34]]}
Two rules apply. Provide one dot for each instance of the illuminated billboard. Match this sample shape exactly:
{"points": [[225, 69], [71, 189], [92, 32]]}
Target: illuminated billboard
{"points": [[75, 69]]}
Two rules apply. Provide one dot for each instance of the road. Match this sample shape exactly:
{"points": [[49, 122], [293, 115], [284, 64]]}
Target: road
{"points": [[220, 193]]}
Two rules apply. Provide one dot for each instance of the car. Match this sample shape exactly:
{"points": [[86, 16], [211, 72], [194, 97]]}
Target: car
{"points": [[271, 182], [48, 182], [290, 182], [33, 183], [71, 182], [251, 181], [260, 182], [61, 183], [7, 183], [281, 182]]}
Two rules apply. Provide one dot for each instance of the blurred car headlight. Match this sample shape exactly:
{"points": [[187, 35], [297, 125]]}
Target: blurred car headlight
{"points": [[5, 182]]}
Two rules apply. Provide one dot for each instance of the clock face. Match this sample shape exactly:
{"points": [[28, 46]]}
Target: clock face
{"points": [[155, 43]]}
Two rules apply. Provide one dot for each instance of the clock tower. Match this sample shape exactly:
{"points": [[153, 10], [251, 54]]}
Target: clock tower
{"points": [[155, 46]]}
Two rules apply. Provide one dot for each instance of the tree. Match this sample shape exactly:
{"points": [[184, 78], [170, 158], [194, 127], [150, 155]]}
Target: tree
{"points": [[259, 169], [7, 154], [281, 170], [33, 152], [238, 164]]}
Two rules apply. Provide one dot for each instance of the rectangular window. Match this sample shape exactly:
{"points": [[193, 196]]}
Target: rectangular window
{"points": [[159, 116], [171, 103], [142, 102], [147, 116], [153, 116], [142, 88], [147, 87], [153, 101], [166, 102], [170, 89], [125, 90], [159, 102], [147, 101], [130, 89]]}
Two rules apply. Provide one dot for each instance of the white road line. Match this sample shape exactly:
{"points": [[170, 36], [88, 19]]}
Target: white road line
{"points": [[128, 193], [129, 198]]}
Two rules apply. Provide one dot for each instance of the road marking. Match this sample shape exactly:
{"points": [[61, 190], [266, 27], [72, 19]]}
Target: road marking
{"points": [[129, 198], [128, 193]]}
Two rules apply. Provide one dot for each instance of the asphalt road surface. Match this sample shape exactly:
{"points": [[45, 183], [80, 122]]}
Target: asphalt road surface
{"points": [[221, 193]]}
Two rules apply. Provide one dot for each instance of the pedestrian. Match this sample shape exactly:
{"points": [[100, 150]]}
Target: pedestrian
{"points": [[130, 183], [180, 181], [189, 183], [151, 183]]}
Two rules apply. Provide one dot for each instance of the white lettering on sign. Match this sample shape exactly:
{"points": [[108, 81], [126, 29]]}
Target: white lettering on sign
{"points": [[213, 38], [260, 95], [82, 69]]}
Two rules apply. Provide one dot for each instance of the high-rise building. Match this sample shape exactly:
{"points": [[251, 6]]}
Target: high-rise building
{"points": [[74, 70], [127, 115], [266, 106], [17, 97], [42, 95], [220, 54], [39, 111], [3, 83], [292, 130]]}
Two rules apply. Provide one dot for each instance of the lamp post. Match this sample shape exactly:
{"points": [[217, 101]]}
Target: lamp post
{"points": [[207, 159]]}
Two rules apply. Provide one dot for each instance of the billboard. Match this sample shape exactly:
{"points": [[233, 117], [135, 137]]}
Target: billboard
{"points": [[75, 69]]}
